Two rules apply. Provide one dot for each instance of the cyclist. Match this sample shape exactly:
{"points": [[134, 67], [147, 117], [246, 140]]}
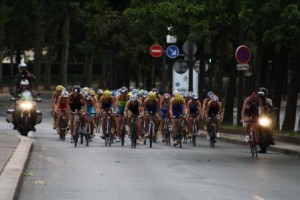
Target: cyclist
{"points": [[62, 107], [76, 102], [214, 108], [134, 107], [121, 101], [151, 105], [164, 113], [99, 94], [177, 109], [53, 103], [91, 108], [158, 96], [194, 109], [204, 105], [106, 104], [250, 110]]}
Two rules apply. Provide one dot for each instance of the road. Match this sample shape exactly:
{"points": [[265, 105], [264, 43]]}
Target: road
{"points": [[58, 170]]}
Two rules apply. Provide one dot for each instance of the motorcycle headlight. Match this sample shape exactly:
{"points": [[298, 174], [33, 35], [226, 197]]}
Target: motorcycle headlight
{"points": [[264, 121], [26, 105]]}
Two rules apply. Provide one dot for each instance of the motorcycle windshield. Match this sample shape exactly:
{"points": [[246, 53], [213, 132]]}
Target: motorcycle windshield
{"points": [[26, 95]]}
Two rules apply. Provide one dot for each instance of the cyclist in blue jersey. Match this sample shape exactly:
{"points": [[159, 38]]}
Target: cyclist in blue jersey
{"points": [[194, 109], [91, 109], [177, 109], [106, 104]]}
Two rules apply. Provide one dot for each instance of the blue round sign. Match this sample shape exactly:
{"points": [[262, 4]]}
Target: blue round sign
{"points": [[177, 84], [172, 51]]}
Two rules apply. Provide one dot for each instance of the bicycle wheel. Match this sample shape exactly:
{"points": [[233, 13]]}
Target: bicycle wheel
{"points": [[167, 134], [133, 136], [151, 134], [123, 129], [76, 134], [213, 136], [194, 134], [87, 134]]}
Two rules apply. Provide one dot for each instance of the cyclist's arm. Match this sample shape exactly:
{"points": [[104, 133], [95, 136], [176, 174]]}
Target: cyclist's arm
{"points": [[141, 107]]}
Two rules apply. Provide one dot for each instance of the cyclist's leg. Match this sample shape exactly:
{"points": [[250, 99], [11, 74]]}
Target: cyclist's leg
{"points": [[147, 121], [175, 122], [162, 127], [103, 125], [156, 122]]}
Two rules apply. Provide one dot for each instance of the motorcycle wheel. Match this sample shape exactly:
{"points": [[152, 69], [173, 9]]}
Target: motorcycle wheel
{"points": [[264, 142]]}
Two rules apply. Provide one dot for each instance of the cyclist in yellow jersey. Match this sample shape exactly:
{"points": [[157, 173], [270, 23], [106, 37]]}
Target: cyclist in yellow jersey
{"points": [[151, 105], [121, 103]]}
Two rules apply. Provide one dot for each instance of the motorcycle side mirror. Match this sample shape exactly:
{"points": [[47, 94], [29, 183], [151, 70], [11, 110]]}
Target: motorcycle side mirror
{"points": [[39, 100], [12, 99]]}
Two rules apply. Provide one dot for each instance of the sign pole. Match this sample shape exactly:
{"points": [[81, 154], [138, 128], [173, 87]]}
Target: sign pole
{"points": [[190, 63]]}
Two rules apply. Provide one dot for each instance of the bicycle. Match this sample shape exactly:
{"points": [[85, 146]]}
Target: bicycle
{"points": [[123, 129], [133, 130], [87, 130], [98, 124], [194, 130], [151, 130], [252, 139], [77, 128], [167, 131], [63, 126], [181, 128], [212, 130], [108, 137]]}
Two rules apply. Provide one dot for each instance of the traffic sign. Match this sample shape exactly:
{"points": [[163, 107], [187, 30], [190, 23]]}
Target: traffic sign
{"points": [[242, 66], [242, 54], [186, 47], [156, 50], [172, 51]]}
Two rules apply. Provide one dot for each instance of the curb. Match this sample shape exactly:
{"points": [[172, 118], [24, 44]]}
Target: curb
{"points": [[12, 175]]}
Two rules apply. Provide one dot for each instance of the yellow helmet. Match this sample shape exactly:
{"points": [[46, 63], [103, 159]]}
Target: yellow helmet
{"points": [[85, 90], [59, 88], [177, 97], [92, 92], [106, 93], [151, 95]]}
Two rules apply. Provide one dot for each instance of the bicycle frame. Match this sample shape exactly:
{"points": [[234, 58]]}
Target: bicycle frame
{"points": [[252, 139], [212, 130]]}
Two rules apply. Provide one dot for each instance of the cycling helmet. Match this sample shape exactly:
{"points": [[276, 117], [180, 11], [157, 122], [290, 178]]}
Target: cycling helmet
{"points": [[64, 93], [87, 97], [253, 96], [59, 88], [166, 96], [135, 91], [195, 96], [106, 93], [145, 94], [123, 90], [85, 90], [76, 89], [264, 90], [100, 92], [155, 90], [133, 97], [261, 94], [214, 98], [24, 82], [151, 95], [209, 94], [92, 91], [177, 97]]}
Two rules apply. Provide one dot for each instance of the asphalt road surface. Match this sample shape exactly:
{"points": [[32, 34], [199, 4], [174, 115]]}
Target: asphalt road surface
{"points": [[58, 170]]}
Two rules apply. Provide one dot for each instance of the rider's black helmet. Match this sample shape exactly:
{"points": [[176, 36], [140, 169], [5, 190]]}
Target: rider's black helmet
{"points": [[76, 89]]}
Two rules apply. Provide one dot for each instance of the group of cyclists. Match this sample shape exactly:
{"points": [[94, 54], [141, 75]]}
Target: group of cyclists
{"points": [[124, 104]]}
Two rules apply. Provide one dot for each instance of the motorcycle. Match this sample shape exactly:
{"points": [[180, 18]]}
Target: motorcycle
{"points": [[265, 134], [24, 115]]}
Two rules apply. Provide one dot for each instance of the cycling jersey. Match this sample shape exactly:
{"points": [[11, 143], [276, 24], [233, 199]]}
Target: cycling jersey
{"points": [[122, 103], [62, 104], [214, 109], [75, 103], [194, 109], [107, 105], [151, 107], [164, 109], [134, 108], [177, 110], [90, 109]]}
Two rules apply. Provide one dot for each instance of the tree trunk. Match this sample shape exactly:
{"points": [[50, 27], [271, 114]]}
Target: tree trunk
{"points": [[88, 65], [291, 106], [49, 57], [280, 63], [38, 53], [65, 49]]}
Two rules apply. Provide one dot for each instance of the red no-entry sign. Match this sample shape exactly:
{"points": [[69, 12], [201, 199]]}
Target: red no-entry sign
{"points": [[156, 50], [242, 54]]}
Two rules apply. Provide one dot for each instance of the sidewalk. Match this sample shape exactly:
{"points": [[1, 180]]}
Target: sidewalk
{"points": [[14, 155], [15, 152]]}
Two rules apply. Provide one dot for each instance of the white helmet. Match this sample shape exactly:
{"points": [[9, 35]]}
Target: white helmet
{"points": [[24, 82], [22, 66], [64, 93]]}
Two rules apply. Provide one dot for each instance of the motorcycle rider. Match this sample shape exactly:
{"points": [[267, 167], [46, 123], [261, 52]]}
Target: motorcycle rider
{"points": [[23, 74]]}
